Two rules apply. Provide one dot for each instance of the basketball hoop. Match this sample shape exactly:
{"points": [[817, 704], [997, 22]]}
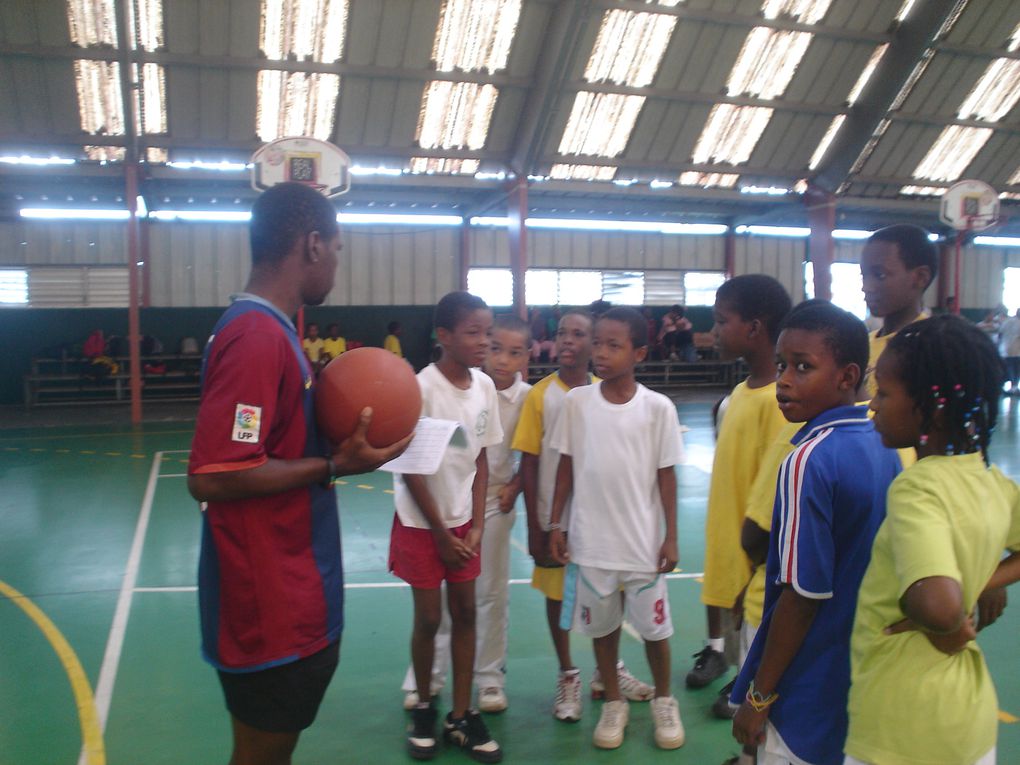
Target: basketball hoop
{"points": [[968, 206], [314, 163]]}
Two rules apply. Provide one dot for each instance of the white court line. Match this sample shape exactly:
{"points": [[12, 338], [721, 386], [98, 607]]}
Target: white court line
{"points": [[115, 642], [173, 475], [374, 585], [176, 451]]}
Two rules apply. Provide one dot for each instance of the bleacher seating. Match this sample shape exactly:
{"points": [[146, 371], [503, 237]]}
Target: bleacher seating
{"points": [[68, 380]]}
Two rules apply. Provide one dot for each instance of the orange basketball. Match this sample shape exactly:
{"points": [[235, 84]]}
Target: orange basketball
{"points": [[367, 377]]}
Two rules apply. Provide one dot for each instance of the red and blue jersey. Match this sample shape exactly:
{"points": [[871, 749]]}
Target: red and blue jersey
{"points": [[830, 501], [270, 571]]}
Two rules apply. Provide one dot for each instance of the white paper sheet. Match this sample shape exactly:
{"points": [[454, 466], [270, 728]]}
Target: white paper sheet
{"points": [[423, 456]]}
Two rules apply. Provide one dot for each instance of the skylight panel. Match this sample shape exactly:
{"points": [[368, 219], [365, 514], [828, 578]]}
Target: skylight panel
{"points": [[475, 36], [92, 22], [150, 99], [600, 124], [564, 171], [923, 191], [305, 29], [443, 165], [629, 47], [709, 180], [904, 10], [767, 62], [804, 11], [1014, 179], [731, 134], [455, 115], [471, 36], [296, 104], [869, 70], [145, 17], [995, 94], [823, 145], [952, 152], [99, 102]]}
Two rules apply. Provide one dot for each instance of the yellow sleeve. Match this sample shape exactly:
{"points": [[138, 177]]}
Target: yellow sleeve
{"points": [[1011, 491], [762, 498], [342, 345], [528, 435]]}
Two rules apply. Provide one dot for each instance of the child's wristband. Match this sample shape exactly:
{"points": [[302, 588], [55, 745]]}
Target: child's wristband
{"points": [[758, 702], [555, 527]]}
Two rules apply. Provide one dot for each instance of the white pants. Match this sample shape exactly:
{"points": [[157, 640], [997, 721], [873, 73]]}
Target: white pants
{"points": [[492, 611], [988, 759]]}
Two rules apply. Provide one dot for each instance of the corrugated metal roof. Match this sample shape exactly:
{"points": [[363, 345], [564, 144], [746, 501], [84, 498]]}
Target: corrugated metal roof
{"points": [[209, 56]]}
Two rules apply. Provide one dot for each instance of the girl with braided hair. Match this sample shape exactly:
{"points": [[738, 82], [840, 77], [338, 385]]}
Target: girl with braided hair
{"points": [[921, 692]]}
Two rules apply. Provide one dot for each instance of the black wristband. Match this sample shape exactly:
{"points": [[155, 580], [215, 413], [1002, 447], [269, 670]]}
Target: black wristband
{"points": [[330, 472]]}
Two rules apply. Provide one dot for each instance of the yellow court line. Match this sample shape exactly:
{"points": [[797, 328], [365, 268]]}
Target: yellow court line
{"points": [[1007, 718], [91, 733], [364, 486]]}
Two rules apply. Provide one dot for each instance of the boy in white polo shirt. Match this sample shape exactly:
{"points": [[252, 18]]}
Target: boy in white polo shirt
{"points": [[437, 530], [618, 445]]}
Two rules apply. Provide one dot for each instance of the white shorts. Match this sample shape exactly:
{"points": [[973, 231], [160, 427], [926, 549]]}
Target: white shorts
{"points": [[988, 759], [593, 601]]}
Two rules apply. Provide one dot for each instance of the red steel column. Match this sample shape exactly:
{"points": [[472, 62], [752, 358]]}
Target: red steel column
{"points": [[134, 333], [517, 212], [821, 210]]}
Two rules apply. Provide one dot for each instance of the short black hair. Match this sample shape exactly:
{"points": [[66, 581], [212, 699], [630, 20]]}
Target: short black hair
{"points": [[282, 214], [947, 363], [582, 312], [915, 248], [633, 319], [845, 335], [513, 323], [393, 326], [334, 324], [454, 306], [757, 296]]}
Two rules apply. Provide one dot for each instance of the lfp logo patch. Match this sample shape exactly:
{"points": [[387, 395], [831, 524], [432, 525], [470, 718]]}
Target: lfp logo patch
{"points": [[247, 423]]}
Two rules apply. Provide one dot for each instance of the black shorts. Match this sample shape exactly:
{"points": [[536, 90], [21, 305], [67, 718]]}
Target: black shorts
{"points": [[282, 699]]}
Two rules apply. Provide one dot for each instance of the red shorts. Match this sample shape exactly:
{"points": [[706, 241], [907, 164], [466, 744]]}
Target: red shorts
{"points": [[415, 559]]}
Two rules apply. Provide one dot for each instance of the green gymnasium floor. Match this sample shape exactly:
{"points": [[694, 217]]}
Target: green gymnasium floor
{"points": [[99, 634]]}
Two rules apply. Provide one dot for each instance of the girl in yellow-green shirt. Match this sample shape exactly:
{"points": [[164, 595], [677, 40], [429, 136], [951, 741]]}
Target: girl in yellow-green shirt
{"points": [[921, 693]]}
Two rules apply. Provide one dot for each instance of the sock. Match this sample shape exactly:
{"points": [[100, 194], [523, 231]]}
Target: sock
{"points": [[717, 644]]}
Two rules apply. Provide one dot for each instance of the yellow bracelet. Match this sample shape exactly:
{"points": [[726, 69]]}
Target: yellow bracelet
{"points": [[758, 702]]}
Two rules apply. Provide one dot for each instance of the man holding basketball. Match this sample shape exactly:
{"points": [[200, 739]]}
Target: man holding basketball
{"points": [[270, 571]]}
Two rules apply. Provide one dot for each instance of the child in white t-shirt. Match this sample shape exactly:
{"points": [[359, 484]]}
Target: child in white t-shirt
{"points": [[437, 531], [618, 445], [506, 362]]}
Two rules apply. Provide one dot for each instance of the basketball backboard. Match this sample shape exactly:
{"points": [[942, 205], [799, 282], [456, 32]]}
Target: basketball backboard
{"points": [[315, 163], [970, 206]]}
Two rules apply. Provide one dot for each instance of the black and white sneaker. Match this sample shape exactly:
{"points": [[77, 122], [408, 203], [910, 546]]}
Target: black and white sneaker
{"points": [[708, 665], [721, 707], [471, 735], [421, 733]]}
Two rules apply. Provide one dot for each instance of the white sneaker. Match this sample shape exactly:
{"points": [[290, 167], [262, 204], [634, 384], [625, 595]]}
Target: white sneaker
{"points": [[669, 730], [631, 688], [568, 696], [612, 723], [492, 699], [411, 698]]}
